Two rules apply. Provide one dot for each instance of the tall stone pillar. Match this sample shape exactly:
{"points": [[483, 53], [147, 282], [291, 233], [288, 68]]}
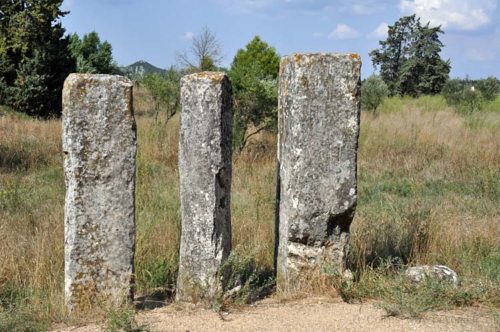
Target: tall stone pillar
{"points": [[205, 183], [99, 144], [319, 114]]}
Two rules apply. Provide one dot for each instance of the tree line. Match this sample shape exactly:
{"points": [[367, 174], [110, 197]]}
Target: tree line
{"points": [[410, 64], [253, 73], [36, 55]]}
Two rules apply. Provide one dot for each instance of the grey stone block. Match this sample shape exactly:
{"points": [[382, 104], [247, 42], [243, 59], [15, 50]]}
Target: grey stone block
{"points": [[319, 114], [205, 154], [99, 144]]}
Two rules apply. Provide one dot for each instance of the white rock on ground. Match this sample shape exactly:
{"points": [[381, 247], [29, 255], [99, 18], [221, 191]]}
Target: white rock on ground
{"points": [[418, 274]]}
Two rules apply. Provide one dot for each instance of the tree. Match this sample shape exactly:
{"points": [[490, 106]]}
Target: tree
{"points": [[165, 91], [34, 58], [204, 54], [254, 75], [90, 55], [409, 58], [373, 92]]}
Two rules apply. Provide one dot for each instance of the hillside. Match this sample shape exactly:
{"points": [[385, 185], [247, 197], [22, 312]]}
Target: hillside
{"points": [[139, 69]]}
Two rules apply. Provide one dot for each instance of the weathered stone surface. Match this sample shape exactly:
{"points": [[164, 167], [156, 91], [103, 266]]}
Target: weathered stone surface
{"points": [[205, 183], [319, 114], [418, 274], [99, 144]]}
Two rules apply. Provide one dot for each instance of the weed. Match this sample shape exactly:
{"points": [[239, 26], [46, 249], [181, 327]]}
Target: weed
{"points": [[122, 319], [245, 281]]}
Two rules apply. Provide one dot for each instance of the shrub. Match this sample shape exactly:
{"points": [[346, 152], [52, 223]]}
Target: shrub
{"points": [[472, 101], [452, 91], [373, 93], [463, 95], [489, 87]]}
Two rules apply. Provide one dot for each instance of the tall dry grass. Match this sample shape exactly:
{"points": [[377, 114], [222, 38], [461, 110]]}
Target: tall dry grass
{"points": [[427, 172], [31, 212], [429, 192]]}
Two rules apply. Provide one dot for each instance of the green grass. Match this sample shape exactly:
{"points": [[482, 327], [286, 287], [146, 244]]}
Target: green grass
{"points": [[398, 297], [492, 106], [429, 193]]}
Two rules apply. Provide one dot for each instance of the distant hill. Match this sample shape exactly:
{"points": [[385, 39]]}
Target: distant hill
{"points": [[139, 69]]}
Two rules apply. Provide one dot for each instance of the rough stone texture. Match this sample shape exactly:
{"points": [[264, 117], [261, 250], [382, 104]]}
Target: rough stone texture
{"points": [[418, 274], [205, 183], [99, 144], [319, 113]]}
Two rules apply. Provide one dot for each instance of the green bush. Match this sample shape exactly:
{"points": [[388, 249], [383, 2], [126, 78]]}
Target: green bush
{"points": [[254, 76], [452, 91], [472, 101], [463, 95], [489, 87], [373, 93]]}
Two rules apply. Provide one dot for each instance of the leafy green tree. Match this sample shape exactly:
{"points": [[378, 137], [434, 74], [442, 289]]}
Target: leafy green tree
{"points": [[30, 88], [91, 55], [409, 58], [254, 75], [373, 92], [164, 89], [34, 58]]}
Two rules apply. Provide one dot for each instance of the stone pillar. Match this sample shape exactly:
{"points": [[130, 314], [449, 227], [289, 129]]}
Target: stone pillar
{"points": [[99, 144], [319, 113], [205, 183]]}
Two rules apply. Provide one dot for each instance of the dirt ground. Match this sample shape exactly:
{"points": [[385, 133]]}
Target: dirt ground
{"points": [[312, 314]]}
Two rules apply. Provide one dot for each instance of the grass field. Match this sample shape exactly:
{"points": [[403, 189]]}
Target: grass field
{"points": [[429, 192]]}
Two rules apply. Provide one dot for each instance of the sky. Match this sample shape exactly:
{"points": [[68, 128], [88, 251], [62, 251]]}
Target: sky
{"points": [[156, 30]]}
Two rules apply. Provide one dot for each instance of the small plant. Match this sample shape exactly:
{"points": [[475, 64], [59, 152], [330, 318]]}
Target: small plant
{"points": [[18, 313], [409, 301], [122, 319], [245, 281], [373, 93]]}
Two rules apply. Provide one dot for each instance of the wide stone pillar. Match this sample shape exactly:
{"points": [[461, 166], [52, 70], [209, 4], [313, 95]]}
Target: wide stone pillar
{"points": [[319, 114], [99, 144], [205, 184]]}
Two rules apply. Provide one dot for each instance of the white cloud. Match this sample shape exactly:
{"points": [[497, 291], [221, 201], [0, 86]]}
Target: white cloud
{"points": [[380, 31], [188, 35], [475, 54], [362, 9], [456, 14], [68, 4], [343, 31], [248, 6], [306, 7]]}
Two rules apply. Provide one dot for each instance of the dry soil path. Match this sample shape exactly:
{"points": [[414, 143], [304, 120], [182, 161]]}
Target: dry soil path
{"points": [[313, 314]]}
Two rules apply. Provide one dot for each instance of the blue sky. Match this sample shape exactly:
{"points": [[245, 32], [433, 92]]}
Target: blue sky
{"points": [[155, 30]]}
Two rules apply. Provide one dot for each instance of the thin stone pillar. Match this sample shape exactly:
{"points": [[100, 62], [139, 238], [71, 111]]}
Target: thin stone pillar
{"points": [[205, 184], [99, 144], [319, 113]]}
